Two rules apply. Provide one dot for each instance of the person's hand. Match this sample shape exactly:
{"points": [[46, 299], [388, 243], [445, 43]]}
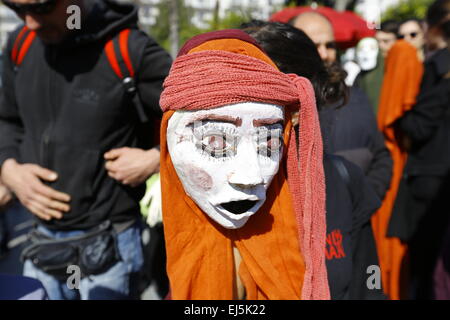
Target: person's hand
{"points": [[131, 166], [25, 181], [5, 195]]}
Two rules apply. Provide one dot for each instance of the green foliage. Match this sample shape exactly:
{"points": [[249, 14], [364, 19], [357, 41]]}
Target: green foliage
{"points": [[161, 29], [231, 20], [407, 9]]}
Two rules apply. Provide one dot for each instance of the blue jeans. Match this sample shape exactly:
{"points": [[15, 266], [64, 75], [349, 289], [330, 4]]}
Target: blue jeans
{"points": [[119, 282]]}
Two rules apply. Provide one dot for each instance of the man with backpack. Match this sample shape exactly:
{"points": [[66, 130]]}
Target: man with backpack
{"points": [[77, 120]]}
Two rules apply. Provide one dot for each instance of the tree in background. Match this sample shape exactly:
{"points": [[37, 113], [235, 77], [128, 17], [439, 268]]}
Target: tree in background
{"points": [[161, 29], [186, 30], [174, 35], [231, 20], [407, 9]]}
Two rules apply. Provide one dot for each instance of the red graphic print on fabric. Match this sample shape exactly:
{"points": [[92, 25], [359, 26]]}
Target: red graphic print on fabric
{"points": [[334, 248]]}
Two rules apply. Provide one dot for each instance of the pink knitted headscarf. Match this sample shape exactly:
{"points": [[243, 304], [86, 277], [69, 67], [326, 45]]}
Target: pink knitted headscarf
{"points": [[214, 78]]}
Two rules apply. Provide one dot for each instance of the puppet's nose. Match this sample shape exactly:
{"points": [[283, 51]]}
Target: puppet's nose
{"points": [[247, 171]]}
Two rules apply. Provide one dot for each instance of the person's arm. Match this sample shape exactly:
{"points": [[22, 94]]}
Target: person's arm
{"points": [[421, 122], [365, 265], [133, 166], [153, 69], [379, 171], [364, 253], [5, 195], [25, 180], [11, 127]]}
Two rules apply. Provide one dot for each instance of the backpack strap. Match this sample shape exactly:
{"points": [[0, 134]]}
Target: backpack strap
{"points": [[21, 45], [117, 53], [110, 50]]}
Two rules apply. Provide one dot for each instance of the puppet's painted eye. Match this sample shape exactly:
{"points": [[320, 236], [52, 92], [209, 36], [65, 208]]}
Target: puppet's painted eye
{"points": [[215, 142], [270, 145], [274, 143], [217, 145]]}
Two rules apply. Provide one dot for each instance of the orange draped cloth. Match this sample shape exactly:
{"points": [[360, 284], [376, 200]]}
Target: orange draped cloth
{"points": [[199, 251], [403, 73]]}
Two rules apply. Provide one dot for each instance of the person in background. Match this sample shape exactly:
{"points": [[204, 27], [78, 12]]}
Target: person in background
{"points": [[421, 212], [387, 35], [350, 200], [435, 39], [412, 30], [370, 79], [320, 31], [401, 82], [351, 131], [75, 148]]}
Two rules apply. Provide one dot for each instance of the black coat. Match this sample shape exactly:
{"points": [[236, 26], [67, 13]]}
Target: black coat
{"points": [[350, 245], [427, 125], [65, 107], [351, 131], [422, 208]]}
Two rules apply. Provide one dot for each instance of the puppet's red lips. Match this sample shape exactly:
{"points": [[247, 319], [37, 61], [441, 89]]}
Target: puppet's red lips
{"points": [[238, 207]]}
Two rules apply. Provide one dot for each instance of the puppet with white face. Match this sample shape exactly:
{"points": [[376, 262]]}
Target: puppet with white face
{"points": [[243, 201], [226, 157]]}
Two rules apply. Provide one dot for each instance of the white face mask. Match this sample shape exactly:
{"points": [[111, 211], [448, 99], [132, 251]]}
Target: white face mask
{"points": [[366, 53], [227, 157]]}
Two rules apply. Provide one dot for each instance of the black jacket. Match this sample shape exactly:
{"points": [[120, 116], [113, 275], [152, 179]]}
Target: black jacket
{"points": [[350, 243], [351, 131], [65, 107], [427, 169]]}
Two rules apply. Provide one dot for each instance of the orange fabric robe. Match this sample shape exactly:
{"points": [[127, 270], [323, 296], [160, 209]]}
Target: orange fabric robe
{"points": [[403, 73]]}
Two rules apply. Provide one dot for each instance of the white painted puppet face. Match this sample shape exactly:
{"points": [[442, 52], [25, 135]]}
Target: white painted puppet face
{"points": [[366, 53], [227, 157]]}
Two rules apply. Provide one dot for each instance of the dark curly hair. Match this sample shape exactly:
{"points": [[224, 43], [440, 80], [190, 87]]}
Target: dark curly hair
{"points": [[294, 52]]}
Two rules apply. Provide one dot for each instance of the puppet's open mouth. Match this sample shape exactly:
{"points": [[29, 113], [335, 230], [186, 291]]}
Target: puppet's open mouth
{"points": [[238, 207]]}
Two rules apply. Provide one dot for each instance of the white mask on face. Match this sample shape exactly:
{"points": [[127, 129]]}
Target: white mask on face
{"points": [[227, 157], [366, 53]]}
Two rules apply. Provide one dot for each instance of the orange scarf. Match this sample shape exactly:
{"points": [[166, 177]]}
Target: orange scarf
{"points": [[403, 73]]}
